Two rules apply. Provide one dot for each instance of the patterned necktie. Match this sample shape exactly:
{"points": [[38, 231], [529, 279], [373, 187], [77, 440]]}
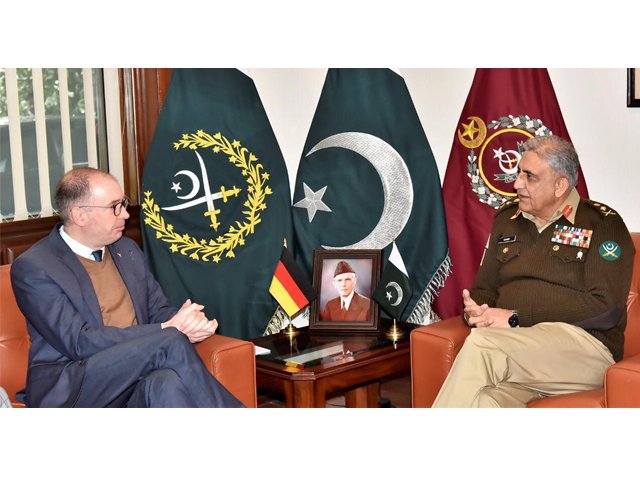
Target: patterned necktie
{"points": [[97, 254]]}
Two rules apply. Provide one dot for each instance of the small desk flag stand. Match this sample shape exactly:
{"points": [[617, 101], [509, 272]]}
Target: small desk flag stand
{"points": [[290, 331], [291, 288], [394, 333]]}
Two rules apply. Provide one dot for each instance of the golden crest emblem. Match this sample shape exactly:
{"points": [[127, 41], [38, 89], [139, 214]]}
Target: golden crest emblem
{"points": [[495, 150], [224, 244]]}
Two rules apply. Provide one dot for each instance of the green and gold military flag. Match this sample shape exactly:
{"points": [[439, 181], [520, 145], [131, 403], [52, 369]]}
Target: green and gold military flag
{"points": [[216, 199], [367, 177]]}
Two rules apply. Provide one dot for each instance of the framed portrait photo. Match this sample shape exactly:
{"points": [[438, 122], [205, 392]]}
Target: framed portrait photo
{"points": [[344, 281], [633, 87]]}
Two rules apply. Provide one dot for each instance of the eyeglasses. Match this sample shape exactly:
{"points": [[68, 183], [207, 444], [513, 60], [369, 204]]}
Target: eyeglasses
{"points": [[117, 208]]}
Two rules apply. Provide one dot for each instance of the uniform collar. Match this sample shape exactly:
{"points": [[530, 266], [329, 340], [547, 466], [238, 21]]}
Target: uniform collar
{"points": [[568, 211]]}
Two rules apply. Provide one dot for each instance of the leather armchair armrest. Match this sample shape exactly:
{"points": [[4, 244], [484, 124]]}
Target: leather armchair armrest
{"points": [[233, 363], [622, 383], [433, 349]]}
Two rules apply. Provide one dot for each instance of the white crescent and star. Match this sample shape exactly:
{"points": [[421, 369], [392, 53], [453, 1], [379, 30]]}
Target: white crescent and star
{"points": [[398, 290], [312, 201], [396, 185], [195, 182], [388, 163], [508, 165], [208, 197]]}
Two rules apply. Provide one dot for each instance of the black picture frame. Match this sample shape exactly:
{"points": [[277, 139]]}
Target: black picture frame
{"points": [[366, 265], [633, 87]]}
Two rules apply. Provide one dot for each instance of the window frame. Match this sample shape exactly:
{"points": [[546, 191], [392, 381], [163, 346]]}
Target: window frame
{"points": [[142, 94]]}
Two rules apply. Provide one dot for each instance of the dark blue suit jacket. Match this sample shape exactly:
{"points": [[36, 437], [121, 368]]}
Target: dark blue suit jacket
{"points": [[55, 294]]}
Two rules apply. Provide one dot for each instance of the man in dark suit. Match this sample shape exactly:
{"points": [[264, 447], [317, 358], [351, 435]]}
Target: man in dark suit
{"points": [[349, 306], [102, 331]]}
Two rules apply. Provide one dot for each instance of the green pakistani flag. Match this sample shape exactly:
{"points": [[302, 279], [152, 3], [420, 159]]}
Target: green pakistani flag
{"points": [[393, 291], [216, 200], [367, 177]]}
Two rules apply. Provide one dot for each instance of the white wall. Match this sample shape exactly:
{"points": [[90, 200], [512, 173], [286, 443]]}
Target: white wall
{"points": [[605, 132]]}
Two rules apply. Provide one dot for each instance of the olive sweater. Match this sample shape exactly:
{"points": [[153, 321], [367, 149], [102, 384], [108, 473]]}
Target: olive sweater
{"points": [[548, 281]]}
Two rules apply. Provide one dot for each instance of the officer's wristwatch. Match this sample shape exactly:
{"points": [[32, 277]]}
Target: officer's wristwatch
{"points": [[514, 321]]}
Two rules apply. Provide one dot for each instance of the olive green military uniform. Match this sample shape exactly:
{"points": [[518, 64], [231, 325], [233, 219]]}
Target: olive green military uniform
{"points": [[569, 281]]}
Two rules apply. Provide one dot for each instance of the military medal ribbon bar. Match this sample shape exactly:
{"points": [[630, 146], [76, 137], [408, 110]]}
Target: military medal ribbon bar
{"points": [[574, 236]]}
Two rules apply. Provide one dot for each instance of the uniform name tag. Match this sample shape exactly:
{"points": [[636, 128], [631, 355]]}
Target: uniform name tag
{"points": [[574, 236], [509, 239]]}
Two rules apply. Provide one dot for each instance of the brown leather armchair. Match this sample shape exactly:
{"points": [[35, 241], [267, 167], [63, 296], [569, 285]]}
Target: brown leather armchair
{"points": [[230, 360], [434, 348]]}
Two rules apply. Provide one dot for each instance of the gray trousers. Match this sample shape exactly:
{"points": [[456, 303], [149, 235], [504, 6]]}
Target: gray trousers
{"points": [[4, 399], [158, 370]]}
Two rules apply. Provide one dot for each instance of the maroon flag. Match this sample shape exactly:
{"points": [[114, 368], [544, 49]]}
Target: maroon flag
{"points": [[505, 107]]}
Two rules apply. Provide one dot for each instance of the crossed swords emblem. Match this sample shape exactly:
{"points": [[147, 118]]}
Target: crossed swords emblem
{"points": [[508, 162], [208, 196], [610, 250]]}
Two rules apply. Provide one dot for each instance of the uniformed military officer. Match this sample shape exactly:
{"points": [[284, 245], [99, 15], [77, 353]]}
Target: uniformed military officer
{"points": [[549, 299]]}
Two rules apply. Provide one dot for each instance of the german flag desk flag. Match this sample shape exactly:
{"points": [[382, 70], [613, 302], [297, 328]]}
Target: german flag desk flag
{"points": [[290, 286]]}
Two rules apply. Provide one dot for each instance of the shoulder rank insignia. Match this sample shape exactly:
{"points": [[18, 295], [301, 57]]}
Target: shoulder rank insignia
{"points": [[610, 250], [574, 236], [604, 210]]}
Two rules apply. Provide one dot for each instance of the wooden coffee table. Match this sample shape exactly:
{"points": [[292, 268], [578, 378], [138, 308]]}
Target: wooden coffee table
{"points": [[311, 367]]}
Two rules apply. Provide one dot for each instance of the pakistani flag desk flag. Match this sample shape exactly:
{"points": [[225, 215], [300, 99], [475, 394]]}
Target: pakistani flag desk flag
{"points": [[290, 285], [504, 108], [394, 288], [367, 176], [216, 200]]}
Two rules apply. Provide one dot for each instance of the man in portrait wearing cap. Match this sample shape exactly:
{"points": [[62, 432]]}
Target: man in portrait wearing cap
{"points": [[349, 306]]}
